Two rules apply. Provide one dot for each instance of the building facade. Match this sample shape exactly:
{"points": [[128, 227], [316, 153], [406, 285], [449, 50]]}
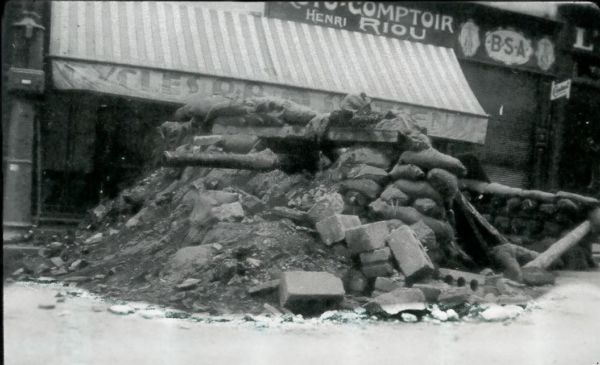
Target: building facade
{"points": [[478, 77]]}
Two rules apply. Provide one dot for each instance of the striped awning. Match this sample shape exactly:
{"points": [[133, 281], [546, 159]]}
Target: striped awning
{"points": [[189, 38]]}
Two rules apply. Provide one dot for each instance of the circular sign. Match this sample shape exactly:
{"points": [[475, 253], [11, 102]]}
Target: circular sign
{"points": [[469, 38], [545, 54]]}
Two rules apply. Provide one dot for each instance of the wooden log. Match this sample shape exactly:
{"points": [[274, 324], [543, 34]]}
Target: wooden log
{"points": [[483, 224], [251, 161], [546, 258]]}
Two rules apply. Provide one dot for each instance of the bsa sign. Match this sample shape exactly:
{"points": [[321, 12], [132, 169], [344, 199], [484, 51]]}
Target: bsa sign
{"points": [[560, 90], [508, 47]]}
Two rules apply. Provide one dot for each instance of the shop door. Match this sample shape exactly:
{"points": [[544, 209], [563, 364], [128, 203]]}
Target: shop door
{"points": [[580, 162]]}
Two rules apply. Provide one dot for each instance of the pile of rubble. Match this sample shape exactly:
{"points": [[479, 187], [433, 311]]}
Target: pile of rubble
{"points": [[373, 228]]}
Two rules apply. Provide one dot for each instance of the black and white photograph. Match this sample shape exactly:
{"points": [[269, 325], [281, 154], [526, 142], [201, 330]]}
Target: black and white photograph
{"points": [[296, 182]]}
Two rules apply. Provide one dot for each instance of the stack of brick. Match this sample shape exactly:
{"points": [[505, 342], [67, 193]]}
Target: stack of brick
{"points": [[423, 184]]}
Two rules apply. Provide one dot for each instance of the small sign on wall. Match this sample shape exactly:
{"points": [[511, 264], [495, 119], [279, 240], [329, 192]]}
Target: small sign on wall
{"points": [[560, 90]]}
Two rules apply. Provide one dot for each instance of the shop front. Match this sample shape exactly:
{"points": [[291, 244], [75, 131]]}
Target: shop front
{"points": [[579, 166]]}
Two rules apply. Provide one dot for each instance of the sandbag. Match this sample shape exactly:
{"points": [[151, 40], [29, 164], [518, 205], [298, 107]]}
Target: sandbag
{"points": [[567, 207], [407, 172], [382, 210], [444, 182], [365, 186], [432, 158], [289, 111], [228, 108], [238, 143], [443, 230], [429, 208], [363, 120], [356, 103], [364, 155], [513, 205], [394, 196], [318, 126], [364, 171], [415, 137], [409, 215], [199, 106], [418, 189]]}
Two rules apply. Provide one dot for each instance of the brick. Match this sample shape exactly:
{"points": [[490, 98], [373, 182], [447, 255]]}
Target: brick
{"points": [[454, 296], [431, 291], [409, 253], [396, 301], [367, 237], [375, 256], [333, 229], [386, 285], [378, 269], [309, 290]]}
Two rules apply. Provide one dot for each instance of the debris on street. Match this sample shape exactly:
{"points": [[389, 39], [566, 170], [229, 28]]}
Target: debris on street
{"points": [[284, 211]]}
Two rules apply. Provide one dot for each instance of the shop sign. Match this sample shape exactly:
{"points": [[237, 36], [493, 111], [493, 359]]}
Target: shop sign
{"points": [[587, 40], [508, 46], [560, 90], [383, 18], [177, 87]]}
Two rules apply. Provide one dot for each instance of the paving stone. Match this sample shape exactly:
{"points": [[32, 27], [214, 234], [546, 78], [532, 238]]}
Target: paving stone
{"points": [[355, 281], [396, 301], [333, 229], [95, 238], [378, 269], [454, 296], [409, 253], [188, 284], [265, 287], [387, 285], [367, 237], [57, 261], [309, 290], [375, 256], [462, 278], [228, 212], [431, 290]]}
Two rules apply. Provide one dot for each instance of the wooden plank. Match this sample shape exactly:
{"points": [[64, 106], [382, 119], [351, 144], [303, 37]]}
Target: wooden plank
{"points": [[335, 135]]}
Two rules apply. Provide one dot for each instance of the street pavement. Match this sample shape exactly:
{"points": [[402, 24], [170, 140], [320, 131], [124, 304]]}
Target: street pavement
{"points": [[563, 329]]}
